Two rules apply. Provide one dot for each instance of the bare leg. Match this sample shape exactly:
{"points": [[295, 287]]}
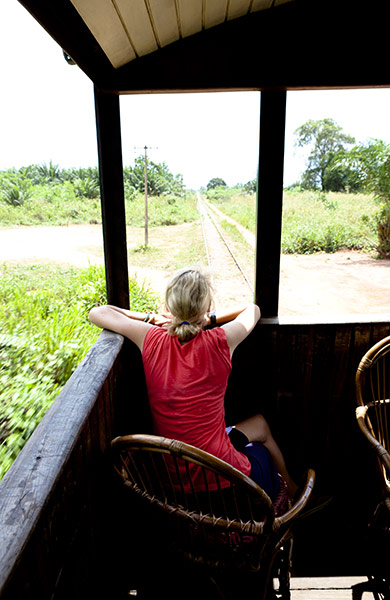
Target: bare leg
{"points": [[257, 429]]}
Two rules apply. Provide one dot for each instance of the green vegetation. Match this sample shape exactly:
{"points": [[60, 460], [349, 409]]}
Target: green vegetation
{"points": [[331, 166], [318, 222], [47, 194], [235, 203], [172, 251], [162, 210], [312, 221], [45, 334], [59, 205], [216, 182], [160, 180], [372, 164], [327, 142]]}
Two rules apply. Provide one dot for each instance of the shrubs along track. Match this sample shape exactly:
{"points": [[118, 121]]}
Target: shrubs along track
{"points": [[45, 334]]}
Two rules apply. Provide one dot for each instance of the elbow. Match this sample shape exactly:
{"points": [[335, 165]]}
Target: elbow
{"points": [[95, 315], [257, 313], [92, 314]]}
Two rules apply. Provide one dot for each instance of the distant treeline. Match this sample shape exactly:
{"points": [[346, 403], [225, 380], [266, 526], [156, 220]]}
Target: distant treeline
{"points": [[17, 185]]}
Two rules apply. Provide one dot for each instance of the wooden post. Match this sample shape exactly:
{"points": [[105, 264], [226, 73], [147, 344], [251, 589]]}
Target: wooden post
{"points": [[112, 197], [270, 200]]}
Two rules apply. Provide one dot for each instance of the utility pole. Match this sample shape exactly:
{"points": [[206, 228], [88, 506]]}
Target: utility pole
{"points": [[145, 149], [146, 198]]}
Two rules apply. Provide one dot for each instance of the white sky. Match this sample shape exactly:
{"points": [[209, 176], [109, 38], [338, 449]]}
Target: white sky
{"points": [[47, 113]]}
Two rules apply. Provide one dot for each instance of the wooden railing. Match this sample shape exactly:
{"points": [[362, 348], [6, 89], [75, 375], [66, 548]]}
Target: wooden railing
{"points": [[51, 498], [59, 517]]}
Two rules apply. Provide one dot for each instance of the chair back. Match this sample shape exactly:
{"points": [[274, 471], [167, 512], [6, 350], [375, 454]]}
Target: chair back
{"points": [[373, 410], [218, 516], [219, 513]]}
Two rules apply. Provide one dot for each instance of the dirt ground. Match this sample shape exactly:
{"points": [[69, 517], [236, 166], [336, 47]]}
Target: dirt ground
{"points": [[317, 284]]}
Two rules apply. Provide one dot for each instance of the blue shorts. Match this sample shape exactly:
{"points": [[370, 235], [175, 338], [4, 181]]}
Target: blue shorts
{"points": [[263, 470]]}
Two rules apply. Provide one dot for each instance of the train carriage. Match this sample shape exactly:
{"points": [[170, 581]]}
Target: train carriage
{"points": [[64, 531]]}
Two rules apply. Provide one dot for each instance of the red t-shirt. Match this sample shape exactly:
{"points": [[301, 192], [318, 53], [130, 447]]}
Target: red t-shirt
{"points": [[186, 388]]}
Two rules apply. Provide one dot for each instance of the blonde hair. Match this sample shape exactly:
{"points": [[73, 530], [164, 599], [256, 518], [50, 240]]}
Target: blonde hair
{"points": [[188, 297]]}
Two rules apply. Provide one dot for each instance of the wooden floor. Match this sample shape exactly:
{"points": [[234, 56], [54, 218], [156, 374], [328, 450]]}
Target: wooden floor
{"points": [[325, 588]]}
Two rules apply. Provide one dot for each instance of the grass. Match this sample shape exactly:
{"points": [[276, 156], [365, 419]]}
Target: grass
{"points": [[162, 210], [169, 248], [239, 206], [59, 205], [45, 335], [313, 221], [51, 205]]}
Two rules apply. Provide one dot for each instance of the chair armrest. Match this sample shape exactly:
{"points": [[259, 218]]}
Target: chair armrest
{"points": [[381, 452], [301, 502]]}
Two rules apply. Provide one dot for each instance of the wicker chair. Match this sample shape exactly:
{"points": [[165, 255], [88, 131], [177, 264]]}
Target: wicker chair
{"points": [[229, 527], [373, 417]]}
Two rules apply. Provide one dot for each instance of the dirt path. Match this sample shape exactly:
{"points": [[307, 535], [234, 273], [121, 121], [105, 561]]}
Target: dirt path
{"points": [[317, 284], [339, 283]]}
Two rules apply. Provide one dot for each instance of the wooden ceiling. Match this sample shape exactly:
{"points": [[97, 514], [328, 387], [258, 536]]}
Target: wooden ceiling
{"points": [[138, 46], [127, 29]]}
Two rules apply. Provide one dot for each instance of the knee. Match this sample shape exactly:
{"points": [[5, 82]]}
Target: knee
{"points": [[261, 421], [263, 428], [255, 428]]}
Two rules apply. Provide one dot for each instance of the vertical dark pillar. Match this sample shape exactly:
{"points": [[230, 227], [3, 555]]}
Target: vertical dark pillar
{"points": [[112, 197], [270, 200]]}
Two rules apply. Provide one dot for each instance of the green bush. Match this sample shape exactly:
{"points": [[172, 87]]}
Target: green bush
{"points": [[45, 334], [313, 221], [62, 197], [162, 210], [14, 189], [76, 203], [318, 222], [52, 205], [237, 204]]}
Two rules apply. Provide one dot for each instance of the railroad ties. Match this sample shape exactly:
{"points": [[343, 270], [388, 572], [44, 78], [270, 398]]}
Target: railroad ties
{"points": [[233, 284]]}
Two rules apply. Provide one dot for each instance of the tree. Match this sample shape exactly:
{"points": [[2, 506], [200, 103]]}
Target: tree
{"points": [[372, 164], [216, 182], [251, 186], [326, 140], [160, 179]]}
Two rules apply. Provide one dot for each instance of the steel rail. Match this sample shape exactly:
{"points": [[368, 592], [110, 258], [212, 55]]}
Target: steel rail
{"points": [[207, 210], [204, 231]]}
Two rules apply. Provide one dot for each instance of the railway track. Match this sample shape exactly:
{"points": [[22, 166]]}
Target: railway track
{"points": [[222, 261]]}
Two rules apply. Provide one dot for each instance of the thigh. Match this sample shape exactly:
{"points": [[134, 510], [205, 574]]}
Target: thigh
{"points": [[255, 428], [263, 470]]}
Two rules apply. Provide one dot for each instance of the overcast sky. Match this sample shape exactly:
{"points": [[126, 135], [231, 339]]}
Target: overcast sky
{"points": [[47, 114]]}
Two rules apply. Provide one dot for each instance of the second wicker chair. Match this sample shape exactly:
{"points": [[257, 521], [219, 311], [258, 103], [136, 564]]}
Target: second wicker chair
{"points": [[373, 417]]}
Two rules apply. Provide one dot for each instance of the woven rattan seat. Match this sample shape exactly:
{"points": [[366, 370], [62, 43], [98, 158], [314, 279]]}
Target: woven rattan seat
{"points": [[373, 417], [225, 522]]}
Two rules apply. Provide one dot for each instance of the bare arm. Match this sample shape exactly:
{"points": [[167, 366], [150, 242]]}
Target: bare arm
{"points": [[226, 315], [238, 329], [129, 323]]}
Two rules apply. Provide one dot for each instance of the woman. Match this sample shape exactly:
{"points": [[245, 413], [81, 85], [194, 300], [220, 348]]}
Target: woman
{"points": [[187, 369]]}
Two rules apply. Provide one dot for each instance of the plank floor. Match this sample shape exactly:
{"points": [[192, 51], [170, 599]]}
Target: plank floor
{"points": [[325, 588]]}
